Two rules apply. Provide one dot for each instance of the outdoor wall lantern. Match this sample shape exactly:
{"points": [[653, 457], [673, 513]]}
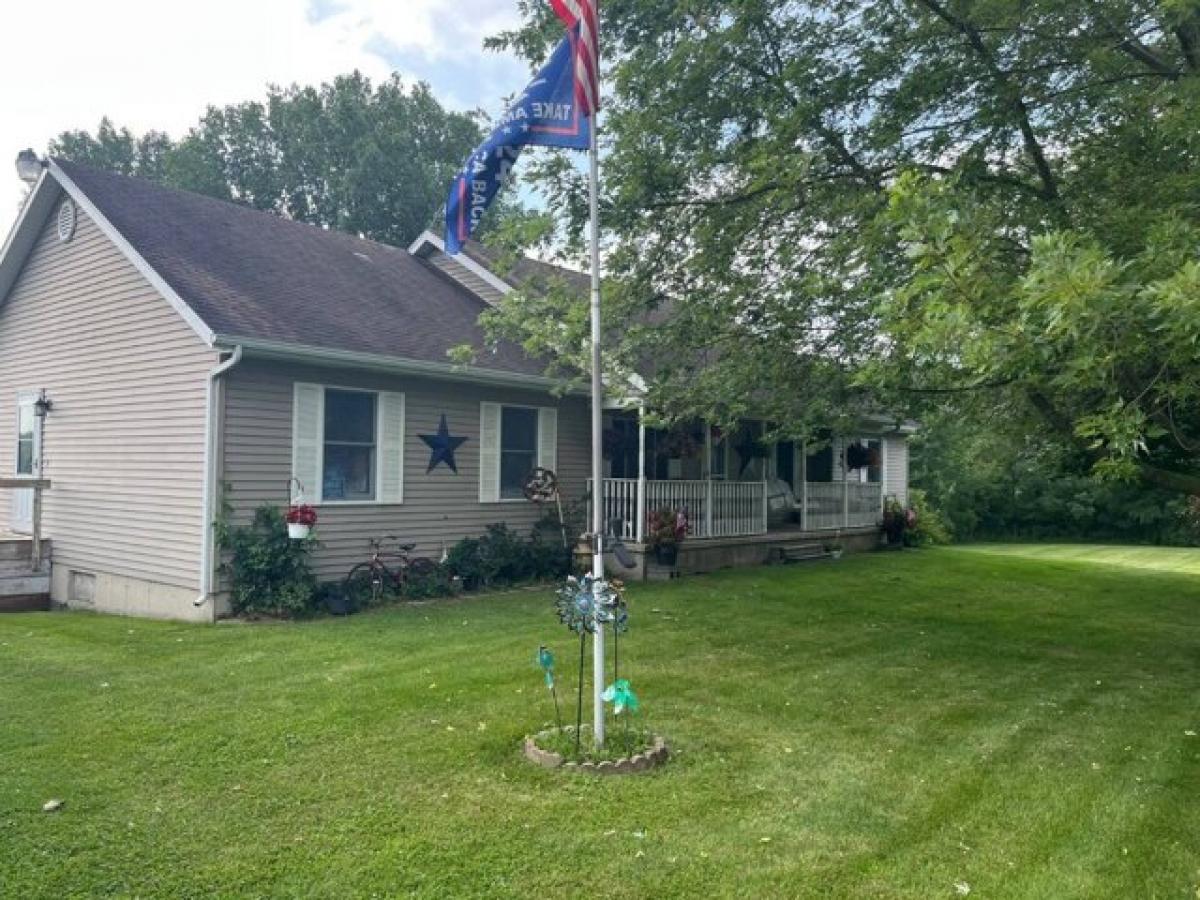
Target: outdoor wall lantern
{"points": [[42, 405]]}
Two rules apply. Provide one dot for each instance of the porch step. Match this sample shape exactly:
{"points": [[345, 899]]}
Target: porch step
{"points": [[22, 589], [18, 547], [798, 552], [25, 603]]}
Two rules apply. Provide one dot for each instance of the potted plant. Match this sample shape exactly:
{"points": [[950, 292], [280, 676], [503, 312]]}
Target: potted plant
{"points": [[896, 521], [300, 518], [666, 530]]}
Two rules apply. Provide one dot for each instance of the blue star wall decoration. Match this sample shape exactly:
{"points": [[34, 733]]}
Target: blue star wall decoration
{"points": [[442, 446]]}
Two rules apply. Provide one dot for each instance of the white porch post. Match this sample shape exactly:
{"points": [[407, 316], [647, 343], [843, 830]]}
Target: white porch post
{"points": [[708, 484], [803, 487], [640, 531], [845, 485]]}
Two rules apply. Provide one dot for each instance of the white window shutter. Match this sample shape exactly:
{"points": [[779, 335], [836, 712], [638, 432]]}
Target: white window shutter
{"points": [[391, 447], [548, 438], [489, 452], [308, 413]]}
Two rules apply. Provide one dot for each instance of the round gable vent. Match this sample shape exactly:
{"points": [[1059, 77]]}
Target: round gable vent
{"points": [[66, 221]]}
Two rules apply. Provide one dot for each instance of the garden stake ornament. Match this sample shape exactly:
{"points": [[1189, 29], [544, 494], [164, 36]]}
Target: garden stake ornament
{"points": [[585, 605], [620, 694], [545, 659]]}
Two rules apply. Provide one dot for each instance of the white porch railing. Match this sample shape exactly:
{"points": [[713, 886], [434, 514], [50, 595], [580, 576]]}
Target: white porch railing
{"points": [[736, 508], [833, 504], [714, 508]]}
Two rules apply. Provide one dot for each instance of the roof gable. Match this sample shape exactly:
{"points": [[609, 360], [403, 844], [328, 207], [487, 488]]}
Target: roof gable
{"points": [[242, 275], [24, 233]]}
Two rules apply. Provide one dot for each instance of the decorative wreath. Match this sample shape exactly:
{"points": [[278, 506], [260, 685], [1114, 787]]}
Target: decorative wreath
{"points": [[541, 486]]}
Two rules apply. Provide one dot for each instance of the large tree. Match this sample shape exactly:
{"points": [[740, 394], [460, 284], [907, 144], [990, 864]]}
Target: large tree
{"points": [[370, 159], [989, 203]]}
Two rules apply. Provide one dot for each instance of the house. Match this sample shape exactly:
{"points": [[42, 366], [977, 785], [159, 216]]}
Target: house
{"points": [[165, 357]]}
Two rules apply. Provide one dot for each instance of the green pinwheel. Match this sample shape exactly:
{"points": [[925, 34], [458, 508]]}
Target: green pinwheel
{"points": [[620, 694], [545, 659]]}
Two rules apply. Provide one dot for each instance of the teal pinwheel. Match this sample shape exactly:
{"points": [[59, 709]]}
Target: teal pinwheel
{"points": [[620, 694], [545, 659]]}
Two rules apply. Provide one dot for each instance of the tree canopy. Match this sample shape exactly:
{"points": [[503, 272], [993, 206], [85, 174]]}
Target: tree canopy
{"points": [[901, 205], [374, 160]]}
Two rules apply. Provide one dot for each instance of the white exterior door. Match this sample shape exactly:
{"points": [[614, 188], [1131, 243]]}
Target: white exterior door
{"points": [[28, 463]]}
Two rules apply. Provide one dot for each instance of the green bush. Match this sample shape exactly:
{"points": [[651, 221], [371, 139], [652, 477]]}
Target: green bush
{"points": [[503, 557], [268, 572], [436, 583], [929, 527], [465, 561], [988, 485]]}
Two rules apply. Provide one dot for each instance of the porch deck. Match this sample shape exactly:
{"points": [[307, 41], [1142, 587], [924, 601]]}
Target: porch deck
{"points": [[731, 509], [741, 523]]}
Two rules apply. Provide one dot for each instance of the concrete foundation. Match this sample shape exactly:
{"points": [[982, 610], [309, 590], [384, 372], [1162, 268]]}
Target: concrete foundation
{"points": [[121, 595]]}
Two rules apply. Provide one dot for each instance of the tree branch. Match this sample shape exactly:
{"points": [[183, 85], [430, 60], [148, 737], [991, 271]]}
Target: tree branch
{"points": [[1012, 97]]}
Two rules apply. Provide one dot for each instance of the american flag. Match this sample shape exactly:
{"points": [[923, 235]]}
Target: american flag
{"points": [[587, 49]]}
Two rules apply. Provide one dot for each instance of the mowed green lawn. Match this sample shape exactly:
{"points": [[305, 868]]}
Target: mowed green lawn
{"points": [[917, 724]]}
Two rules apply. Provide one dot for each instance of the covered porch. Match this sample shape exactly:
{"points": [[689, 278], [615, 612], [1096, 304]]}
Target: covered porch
{"points": [[736, 485], [724, 509]]}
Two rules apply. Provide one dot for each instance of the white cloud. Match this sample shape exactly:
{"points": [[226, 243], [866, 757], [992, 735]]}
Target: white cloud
{"points": [[153, 64]]}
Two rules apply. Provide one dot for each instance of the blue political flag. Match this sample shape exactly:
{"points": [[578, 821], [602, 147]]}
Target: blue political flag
{"points": [[545, 114]]}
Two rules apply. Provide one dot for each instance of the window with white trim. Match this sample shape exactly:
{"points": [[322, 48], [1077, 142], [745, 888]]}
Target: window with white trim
{"points": [[347, 444], [512, 441], [518, 449], [349, 448]]}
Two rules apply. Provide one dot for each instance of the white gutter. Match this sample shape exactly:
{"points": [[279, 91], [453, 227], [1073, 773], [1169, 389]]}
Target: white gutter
{"points": [[210, 474], [326, 356]]}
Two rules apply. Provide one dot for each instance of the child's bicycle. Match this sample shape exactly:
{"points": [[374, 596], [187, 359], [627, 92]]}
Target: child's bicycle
{"points": [[386, 571]]}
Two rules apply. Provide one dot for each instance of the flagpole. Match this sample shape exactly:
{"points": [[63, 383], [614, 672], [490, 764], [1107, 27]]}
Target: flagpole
{"points": [[597, 443]]}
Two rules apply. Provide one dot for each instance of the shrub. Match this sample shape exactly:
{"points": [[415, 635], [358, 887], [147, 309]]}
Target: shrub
{"points": [[438, 582], [928, 526], [502, 557], [268, 571], [465, 561]]}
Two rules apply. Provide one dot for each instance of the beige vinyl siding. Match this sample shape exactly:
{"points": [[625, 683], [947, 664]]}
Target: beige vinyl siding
{"points": [[895, 459], [439, 507], [124, 443]]}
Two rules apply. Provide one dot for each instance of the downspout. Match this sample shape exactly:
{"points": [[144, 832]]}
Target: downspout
{"points": [[210, 475]]}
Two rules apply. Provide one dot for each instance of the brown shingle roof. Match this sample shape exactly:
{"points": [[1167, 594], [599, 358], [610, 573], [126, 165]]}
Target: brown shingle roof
{"points": [[251, 274]]}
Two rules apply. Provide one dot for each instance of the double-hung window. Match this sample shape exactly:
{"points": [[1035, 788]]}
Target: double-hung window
{"points": [[347, 444], [349, 458], [518, 449], [514, 440]]}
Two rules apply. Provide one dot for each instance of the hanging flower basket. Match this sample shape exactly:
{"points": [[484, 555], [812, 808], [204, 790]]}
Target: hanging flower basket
{"points": [[300, 518]]}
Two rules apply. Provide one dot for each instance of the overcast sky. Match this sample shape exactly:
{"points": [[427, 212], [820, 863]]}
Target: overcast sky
{"points": [[158, 63]]}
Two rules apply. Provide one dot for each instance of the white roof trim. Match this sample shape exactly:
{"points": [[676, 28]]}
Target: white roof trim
{"points": [[429, 239], [147, 271], [22, 237]]}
